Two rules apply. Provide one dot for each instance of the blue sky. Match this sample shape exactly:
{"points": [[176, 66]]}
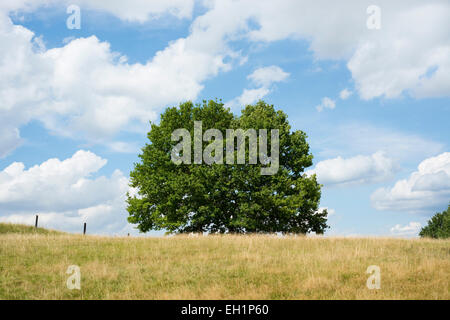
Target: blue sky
{"points": [[75, 104]]}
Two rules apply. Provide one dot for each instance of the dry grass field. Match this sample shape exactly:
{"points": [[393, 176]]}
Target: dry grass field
{"points": [[33, 266]]}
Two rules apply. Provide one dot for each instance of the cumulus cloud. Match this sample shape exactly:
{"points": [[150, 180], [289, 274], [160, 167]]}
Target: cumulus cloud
{"points": [[356, 170], [345, 94], [408, 54], [426, 190], [85, 90], [65, 194], [263, 77], [80, 90], [249, 96], [85, 87], [411, 229], [326, 103]]}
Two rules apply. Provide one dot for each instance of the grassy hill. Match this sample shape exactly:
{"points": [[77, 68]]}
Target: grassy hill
{"points": [[6, 228], [33, 266]]}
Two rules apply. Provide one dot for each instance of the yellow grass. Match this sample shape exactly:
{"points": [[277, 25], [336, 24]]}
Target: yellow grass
{"points": [[33, 266]]}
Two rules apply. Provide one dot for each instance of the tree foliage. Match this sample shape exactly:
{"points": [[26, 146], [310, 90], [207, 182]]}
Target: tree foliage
{"points": [[438, 226], [221, 198]]}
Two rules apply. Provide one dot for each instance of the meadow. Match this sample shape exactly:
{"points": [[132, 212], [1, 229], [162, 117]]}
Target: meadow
{"points": [[33, 265]]}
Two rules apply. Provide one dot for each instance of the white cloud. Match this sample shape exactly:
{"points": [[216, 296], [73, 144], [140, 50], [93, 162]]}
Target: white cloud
{"points": [[80, 90], [411, 229], [266, 76], [131, 10], [263, 77], [345, 94], [356, 170], [413, 40], [65, 194], [408, 54], [326, 103], [426, 190], [84, 90], [250, 96]]}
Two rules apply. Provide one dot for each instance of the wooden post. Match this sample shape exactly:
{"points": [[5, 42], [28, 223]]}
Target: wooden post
{"points": [[36, 223], [84, 229]]}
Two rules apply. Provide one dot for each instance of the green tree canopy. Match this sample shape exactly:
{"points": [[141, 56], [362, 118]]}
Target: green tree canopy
{"points": [[438, 226], [223, 198]]}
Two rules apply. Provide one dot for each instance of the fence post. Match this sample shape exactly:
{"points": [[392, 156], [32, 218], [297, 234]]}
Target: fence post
{"points": [[36, 223], [84, 229]]}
